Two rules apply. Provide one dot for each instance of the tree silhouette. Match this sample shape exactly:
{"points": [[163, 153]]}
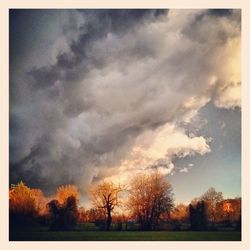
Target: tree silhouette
{"points": [[198, 216], [55, 211], [63, 217]]}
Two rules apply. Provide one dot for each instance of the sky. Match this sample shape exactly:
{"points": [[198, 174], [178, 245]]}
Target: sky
{"points": [[103, 95]]}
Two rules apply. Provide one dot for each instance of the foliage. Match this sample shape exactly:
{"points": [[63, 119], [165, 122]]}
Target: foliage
{"points": [[22, 200], [63, 192], [229, 210], [180, 213], [26, 205]]}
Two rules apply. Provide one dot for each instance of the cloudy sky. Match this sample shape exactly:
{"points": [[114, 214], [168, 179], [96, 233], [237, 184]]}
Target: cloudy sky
{"points": [[106, 94]]}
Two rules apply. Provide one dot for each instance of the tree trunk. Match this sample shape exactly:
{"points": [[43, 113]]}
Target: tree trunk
{"points": [[109, 219]]}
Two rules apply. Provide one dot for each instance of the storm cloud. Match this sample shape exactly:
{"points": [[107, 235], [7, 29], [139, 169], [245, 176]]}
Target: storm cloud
{"points": [[113, 89]]}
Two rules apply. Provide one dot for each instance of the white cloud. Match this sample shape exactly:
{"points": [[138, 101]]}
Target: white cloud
{"points": [[229, 97], [183, 170], [158, 148]]}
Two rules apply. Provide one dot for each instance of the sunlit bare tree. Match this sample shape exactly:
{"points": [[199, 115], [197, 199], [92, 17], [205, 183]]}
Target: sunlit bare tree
{"points": [[106, 196], [212, 198], [149, 197]]}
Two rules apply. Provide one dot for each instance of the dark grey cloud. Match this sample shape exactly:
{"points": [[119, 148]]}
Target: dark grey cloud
{"points": [[216, 34], [220, 12], [113, 74], [48, 102]]}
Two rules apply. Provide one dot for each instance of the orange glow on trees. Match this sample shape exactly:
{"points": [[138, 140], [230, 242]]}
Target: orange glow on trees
{"points": [[227, 207], [149, 197], [64, 192], [212, 198], [180, 213], [41, 201], [106, 196], [26, 201], [230, 209]]}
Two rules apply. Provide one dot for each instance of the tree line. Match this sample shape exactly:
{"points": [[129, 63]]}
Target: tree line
{"points": [[146, 203]]}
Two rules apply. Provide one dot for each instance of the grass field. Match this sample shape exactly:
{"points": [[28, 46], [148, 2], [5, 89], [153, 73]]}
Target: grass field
{"points": [[124, 236]]}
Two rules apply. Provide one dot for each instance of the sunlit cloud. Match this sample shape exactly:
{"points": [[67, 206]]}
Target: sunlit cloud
{"points": [[156, 149]]}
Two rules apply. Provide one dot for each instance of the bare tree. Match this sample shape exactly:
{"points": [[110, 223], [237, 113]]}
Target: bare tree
{"points": [[212, 198], [149, 197], [106, 196]]}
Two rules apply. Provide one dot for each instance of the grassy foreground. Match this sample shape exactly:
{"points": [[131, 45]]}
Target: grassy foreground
{"points": [[125, 236]]}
